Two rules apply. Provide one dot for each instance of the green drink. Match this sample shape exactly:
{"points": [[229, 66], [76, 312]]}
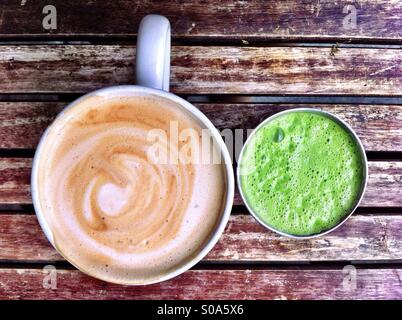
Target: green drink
{"points": [[302, 173]]}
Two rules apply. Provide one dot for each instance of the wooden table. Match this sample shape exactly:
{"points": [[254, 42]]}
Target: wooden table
{"points": [[239, 62]]}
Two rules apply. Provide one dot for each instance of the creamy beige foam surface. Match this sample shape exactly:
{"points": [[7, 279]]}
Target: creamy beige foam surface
{"points": [[114, 213]]}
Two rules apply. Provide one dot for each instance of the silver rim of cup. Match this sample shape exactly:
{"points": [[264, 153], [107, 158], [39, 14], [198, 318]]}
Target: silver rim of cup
{"points": [[227, 162], [362, 156]]}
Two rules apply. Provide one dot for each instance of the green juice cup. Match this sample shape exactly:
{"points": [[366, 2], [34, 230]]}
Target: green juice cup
{"points": [[302, 172]]}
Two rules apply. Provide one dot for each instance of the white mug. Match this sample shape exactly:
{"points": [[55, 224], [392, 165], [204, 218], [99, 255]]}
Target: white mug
{"points": [[152, 73]]}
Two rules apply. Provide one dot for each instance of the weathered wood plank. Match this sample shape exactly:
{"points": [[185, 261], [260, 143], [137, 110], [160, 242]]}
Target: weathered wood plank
{"points": [[384, 187], [15, 180], [361, 238], [22, 239], [379, 126], [206, 70], [23, 123], [211, 284], [257, 19]]}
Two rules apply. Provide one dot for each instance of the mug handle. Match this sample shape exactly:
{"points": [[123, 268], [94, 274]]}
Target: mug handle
{"points": [[153, 52]]}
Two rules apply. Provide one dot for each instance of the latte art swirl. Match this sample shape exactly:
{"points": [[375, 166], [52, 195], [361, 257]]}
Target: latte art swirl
{"points": [[118, 186], [113, 212]]}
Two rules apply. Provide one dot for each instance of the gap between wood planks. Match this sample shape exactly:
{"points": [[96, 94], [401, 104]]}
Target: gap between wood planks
{"points": [[232, 265], [206, 42]]}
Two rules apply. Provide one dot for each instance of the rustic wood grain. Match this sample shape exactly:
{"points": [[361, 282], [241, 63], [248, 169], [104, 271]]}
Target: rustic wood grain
{"points": [[211, 284], [377, 20], [384, 187], [361, 238], [23, 123], [378, 126], [15, 180], [206, 70]]}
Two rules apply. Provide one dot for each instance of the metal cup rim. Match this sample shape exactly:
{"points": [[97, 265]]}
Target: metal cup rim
{"points": [[363, 157]]}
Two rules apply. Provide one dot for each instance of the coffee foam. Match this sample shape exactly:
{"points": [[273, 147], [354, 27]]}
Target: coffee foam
{"points": [[113, 213]]}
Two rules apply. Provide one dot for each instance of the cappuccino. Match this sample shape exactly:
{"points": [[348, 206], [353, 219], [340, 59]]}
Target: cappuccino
{"points": [[115, 212]]}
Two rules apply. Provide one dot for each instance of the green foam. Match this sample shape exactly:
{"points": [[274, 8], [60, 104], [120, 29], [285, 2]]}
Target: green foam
{"points": [[301, 173]]}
